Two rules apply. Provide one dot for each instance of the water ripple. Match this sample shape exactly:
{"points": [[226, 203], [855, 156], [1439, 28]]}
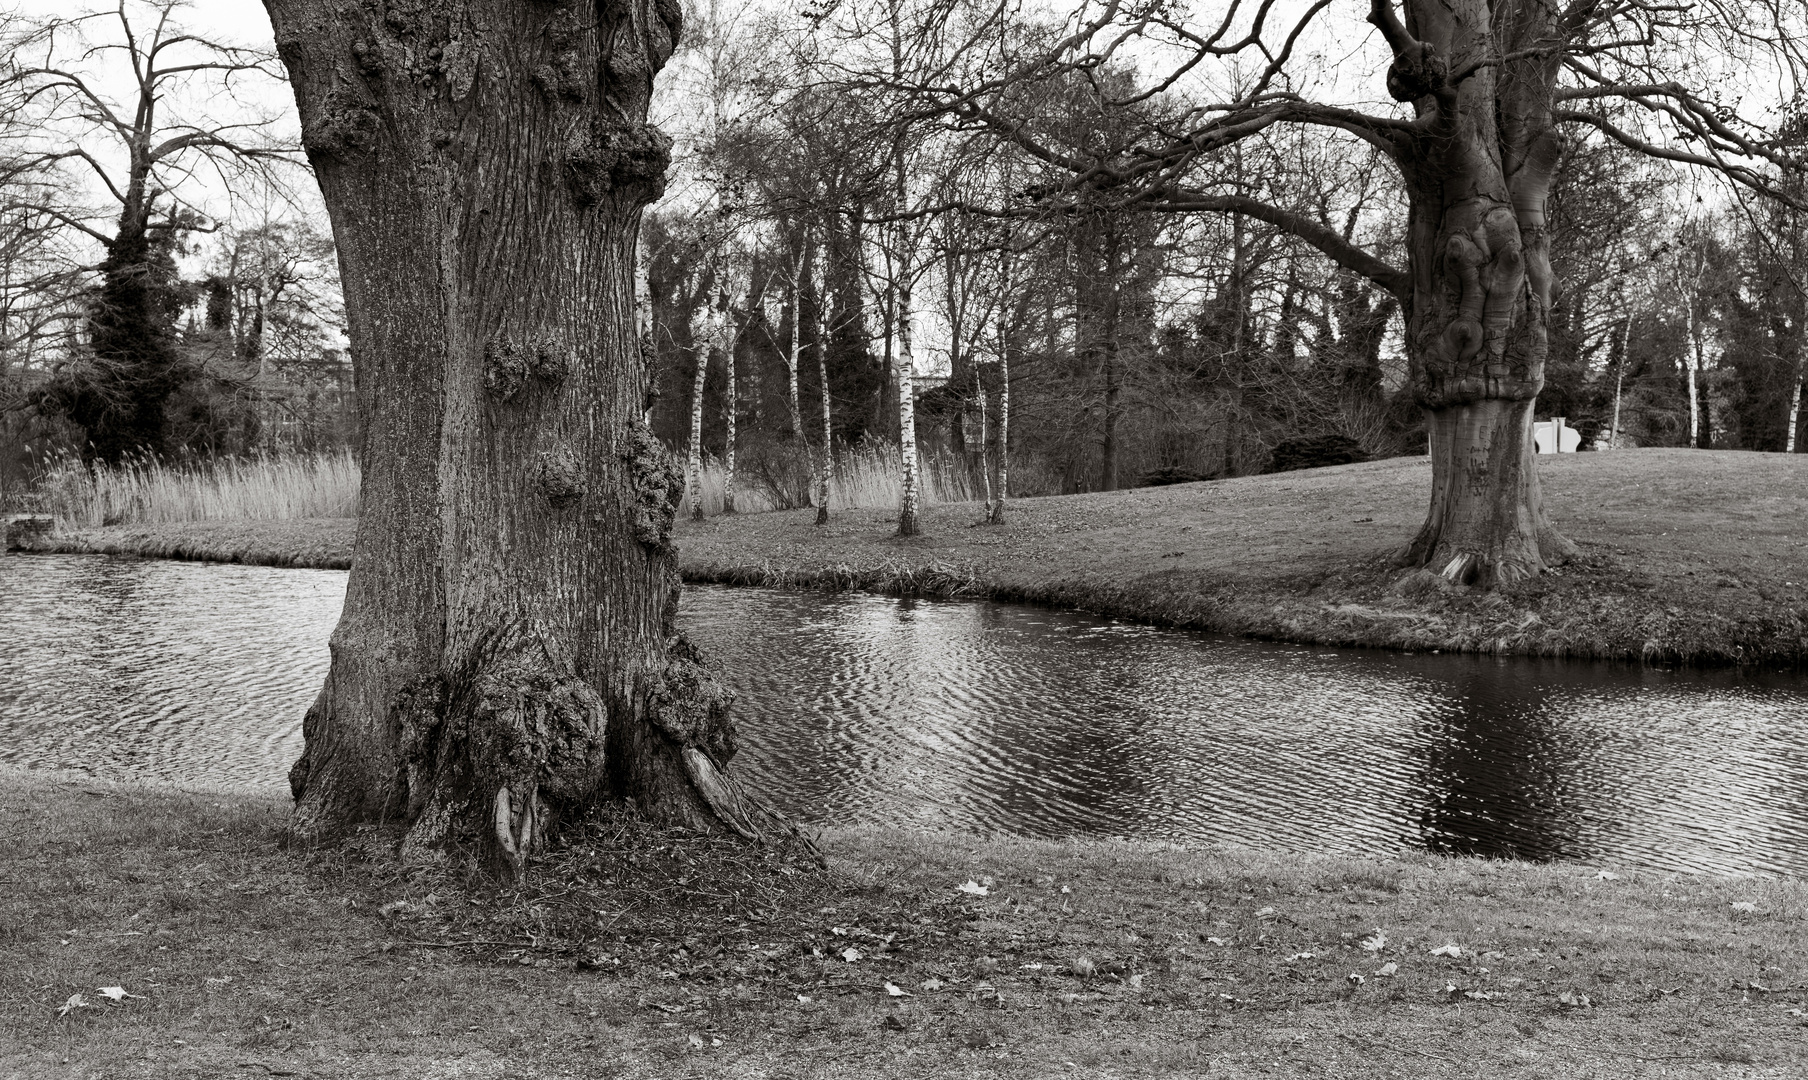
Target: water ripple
{"points": [[994, 718]]}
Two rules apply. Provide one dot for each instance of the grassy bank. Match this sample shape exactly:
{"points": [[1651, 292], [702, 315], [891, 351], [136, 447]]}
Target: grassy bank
{"points": [[645, 954], [1686, 556]]}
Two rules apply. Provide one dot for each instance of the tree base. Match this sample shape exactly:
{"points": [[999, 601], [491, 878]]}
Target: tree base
{"points": [[1486, 525]]}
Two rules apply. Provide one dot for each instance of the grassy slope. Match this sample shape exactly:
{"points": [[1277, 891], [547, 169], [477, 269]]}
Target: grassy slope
{"points": [[1686, 555], [252, 960]]}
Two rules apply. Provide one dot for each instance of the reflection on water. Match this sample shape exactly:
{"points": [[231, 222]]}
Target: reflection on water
{"points": [[995, 718]]}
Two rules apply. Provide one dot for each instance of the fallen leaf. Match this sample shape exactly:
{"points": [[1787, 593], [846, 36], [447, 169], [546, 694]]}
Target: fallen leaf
{"points": [[1136, 981], [1217, 941], [851, 954], [1354, 979], [1478, 995], [973, 888], [1607, 875], [1451, 949], [1264, 913], [1386, 971], [1375, 942], [696, 1042], [116, 993], [1574, 1000], [931, 984], [1082, 967], [804, 999], [76, 1001], [392, 907], [1297, 957], [894, 990], [1744, 905]]}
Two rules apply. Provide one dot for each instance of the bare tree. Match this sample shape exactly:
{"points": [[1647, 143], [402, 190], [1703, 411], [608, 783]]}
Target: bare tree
{"points": [[140, 151], [1488, 88]]}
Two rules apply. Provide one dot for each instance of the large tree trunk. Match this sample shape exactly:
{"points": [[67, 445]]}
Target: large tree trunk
{"points": [[507, 655], [1478, 176]]}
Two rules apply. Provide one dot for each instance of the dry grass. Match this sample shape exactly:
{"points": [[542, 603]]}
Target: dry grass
{"points": [[644, 953], [865, 479], [273, 488]]}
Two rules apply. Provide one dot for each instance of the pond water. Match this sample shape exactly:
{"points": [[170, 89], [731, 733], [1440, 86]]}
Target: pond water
{"points": [[994, 719]]}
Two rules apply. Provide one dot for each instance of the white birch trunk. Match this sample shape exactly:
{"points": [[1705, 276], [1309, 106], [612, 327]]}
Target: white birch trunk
{"points": [[694, 467], [985, 456], [824, 327], [907, 419], [730, 406], [797, 315], [1795, 408], [1619, 384], [1692, 362], [1004, 430]]}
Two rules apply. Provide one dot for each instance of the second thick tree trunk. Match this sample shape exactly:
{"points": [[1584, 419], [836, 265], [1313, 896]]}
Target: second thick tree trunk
{"points": [[1478, 173]]}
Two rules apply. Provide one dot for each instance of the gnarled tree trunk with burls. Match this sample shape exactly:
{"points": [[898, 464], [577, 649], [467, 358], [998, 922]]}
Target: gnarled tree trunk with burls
{"points": [[1478, 167], [507, 657]]}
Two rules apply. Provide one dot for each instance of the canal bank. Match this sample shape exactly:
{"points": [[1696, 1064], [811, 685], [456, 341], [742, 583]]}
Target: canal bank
{"points": [[913, 954], [1686, 556]]}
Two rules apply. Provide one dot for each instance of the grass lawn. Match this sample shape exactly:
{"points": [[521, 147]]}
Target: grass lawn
{"points": [[1686, 555], [641, 953]]}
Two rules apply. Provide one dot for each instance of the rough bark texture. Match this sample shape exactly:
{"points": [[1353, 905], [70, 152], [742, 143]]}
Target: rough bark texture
{"points": [[1478, 167], [507, 655]]}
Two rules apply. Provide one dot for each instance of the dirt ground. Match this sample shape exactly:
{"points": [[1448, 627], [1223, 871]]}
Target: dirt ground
{"points": [[645, 953]]}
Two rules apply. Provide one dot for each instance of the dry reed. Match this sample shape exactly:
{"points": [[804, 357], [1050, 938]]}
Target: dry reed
{"points": [[326, 486], [866, 478], [154, 492]]}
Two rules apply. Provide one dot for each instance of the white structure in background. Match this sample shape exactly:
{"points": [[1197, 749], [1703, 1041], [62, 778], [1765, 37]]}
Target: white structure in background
{"points": [[1553, 438]]}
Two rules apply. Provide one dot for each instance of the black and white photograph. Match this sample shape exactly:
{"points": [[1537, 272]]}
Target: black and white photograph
{"points": [[903, 539]]}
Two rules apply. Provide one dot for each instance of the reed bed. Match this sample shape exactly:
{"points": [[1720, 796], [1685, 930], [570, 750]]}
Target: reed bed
{"points": [[241, 489], [326, 486], [865, 479]]}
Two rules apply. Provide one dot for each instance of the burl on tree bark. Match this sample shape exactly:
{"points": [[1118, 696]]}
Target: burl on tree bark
{"points": [[1478, 167], [507, 657]]}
